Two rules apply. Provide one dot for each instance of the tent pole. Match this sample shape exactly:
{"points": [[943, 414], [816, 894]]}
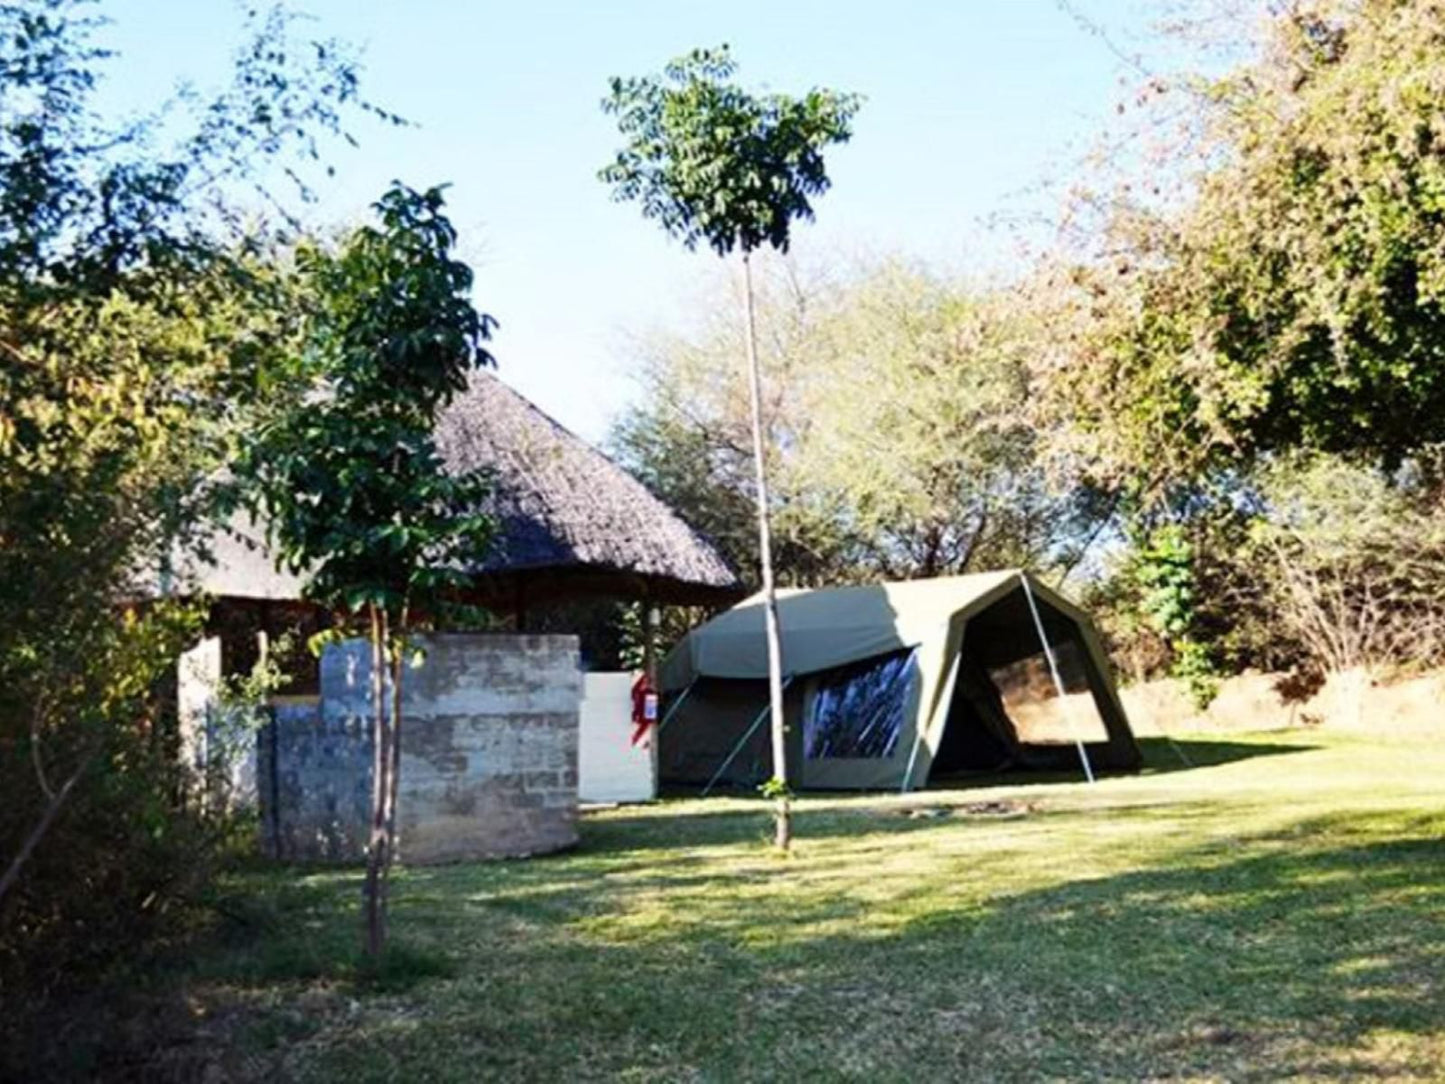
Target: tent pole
{"points": [[738, 748], [675, 705], [922, 724], [1058, 681]]}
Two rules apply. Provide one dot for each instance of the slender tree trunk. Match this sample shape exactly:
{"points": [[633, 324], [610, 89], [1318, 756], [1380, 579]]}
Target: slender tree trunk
{"points": [[782, 815], [376, 851], [394, 772]]}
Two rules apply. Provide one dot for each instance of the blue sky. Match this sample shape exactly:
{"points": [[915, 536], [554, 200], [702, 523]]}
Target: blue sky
{"points": [[970, 105]]}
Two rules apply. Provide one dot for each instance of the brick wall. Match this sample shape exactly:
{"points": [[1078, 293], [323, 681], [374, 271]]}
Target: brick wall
{"points": [[489, 754]]}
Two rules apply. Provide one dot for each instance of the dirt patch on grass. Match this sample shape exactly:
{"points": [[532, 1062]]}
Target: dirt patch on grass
{"points": [[996, 809]]}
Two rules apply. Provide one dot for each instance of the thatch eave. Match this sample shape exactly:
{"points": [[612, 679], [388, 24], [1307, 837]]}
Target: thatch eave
{"points": [[570, 521]]}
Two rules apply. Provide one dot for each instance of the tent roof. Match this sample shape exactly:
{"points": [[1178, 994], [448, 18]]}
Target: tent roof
{"points": [[831, 627]]}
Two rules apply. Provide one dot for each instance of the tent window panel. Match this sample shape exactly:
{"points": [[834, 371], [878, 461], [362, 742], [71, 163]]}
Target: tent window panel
{"points": [[858, 712], [1033, 704]]}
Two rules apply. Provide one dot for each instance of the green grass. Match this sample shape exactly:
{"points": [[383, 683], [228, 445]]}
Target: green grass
{"points": [[1277, 911]]}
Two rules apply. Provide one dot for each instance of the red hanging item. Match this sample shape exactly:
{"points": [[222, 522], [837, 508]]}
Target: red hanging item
{"points": [[644, 708]]}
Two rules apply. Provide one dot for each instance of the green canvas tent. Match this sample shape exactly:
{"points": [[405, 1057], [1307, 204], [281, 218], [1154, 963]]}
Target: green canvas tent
{"points": [[895, 684]]}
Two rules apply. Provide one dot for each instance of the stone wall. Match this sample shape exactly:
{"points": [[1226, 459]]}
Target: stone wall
{"points": [[314, 804], [489, 754]]}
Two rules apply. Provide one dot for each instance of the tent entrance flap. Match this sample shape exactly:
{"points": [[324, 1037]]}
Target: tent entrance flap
{"points": [[978, 735]]}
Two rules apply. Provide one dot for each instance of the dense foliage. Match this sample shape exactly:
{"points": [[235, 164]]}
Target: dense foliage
{"points": [[1284, 298], [139, 329], [1296, 299], [900, 440]]}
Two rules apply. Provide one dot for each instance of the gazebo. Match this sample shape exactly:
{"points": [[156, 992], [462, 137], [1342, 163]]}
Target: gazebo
{"points": [[523, 729], [572, 527]]}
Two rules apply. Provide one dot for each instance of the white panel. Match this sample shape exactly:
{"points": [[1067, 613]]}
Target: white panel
{"points": [[609, 767], [198, 686]]}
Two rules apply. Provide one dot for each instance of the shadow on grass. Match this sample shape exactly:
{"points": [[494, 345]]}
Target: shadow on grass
{"points": [[1160, 756], [1168, 755], [304, 927], [1275, 955], [280, 930], [1216, 950]]}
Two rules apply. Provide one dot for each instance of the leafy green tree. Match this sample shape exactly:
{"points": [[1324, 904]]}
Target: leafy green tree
{"points": [[349, 481], [1273, 289], [713, 162], [140, 327], [1294, 297], [900, 443]]}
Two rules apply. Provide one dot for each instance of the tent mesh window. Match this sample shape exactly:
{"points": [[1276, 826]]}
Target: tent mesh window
{"points": [[1032, 702], [858, 711]]}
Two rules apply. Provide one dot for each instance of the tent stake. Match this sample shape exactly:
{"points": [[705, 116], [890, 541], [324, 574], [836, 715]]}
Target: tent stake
{"points": [[675, 705], [738, 748], [1058, 681]]}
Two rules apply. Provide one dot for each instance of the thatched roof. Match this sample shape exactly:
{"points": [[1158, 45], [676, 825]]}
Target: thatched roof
{"points": [[570, 520]]}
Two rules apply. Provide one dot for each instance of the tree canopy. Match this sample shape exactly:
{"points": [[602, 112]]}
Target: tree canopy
{"points": [[713, 162], [348, 479], [900, 440], [1294, 298], [143, 326]]}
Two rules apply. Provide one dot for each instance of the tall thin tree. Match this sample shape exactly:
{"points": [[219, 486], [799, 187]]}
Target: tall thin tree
{"points": [[713, 162], [349, 480]]}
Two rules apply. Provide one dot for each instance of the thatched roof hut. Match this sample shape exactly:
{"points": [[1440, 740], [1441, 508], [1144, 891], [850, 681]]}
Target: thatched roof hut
{"points": [[571, 522]]}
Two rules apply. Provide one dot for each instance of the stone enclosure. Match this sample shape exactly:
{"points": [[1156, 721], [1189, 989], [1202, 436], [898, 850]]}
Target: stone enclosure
{"points": [[489, 754]]}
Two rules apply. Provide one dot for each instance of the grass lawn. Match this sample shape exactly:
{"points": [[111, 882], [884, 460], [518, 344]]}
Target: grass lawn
{"points": [[1277, 911]]}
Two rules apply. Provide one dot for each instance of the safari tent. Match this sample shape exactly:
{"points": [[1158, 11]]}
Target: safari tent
{"points": [[894, 685]]}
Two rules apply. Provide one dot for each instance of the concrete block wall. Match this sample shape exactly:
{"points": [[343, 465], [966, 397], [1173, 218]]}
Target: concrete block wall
{"points": [[315, 802], [489, 748], [489, 754]]}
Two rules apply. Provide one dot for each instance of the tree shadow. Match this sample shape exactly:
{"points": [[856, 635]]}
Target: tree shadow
{"points": [[1282, 954], [1287, 961], [1161, 756]]}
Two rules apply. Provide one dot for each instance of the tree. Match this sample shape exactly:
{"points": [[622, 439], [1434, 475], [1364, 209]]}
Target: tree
{"points": [[1351, 560], [1294, 297], [689, 436], [713, 162], [139, 327], [349, 481], [900, 440], [1271, 292]]}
